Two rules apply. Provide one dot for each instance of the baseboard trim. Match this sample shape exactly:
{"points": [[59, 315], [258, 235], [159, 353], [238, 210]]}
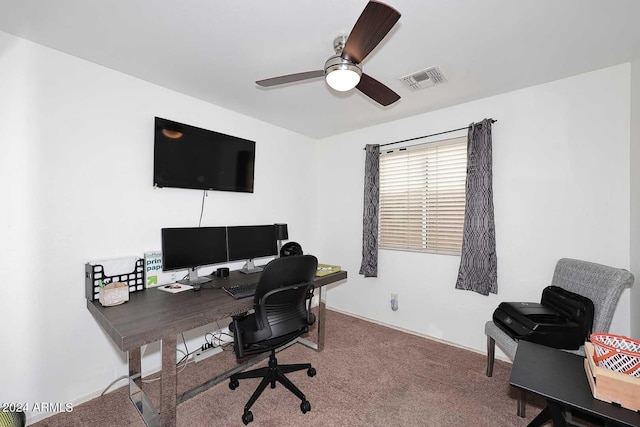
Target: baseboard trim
{"points": [[122, 382], [418, 334]]}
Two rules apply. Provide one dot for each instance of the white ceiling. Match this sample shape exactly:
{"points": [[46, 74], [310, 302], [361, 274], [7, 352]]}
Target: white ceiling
{"points": [[215, 50]]}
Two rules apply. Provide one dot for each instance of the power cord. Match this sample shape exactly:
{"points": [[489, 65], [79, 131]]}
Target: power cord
{"points": [[185, 359], [207, 346], [216, 339], [204, 194], [124, 377]]}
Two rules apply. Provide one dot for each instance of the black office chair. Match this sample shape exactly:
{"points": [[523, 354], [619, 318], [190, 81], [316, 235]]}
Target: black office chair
{"points": [[281, 304]]}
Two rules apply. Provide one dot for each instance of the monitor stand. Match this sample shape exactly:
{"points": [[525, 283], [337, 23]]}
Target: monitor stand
{"points": [[194, 279], [249, 267]]}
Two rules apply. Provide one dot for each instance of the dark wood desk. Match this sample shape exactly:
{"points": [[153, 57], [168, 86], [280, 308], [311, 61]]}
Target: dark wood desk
{"points": [[560, 378], [153, 315]]}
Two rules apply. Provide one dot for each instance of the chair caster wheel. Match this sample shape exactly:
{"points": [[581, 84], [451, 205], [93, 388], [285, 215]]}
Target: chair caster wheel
{"points": [[311, 372], [233, 384], [305, 406], [247, 417]]}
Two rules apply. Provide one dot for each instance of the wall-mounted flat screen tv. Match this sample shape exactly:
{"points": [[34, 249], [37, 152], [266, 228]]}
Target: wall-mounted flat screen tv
{"points": [[190, 157]]}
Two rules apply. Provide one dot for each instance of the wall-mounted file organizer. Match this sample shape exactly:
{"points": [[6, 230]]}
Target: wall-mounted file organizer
{"points": [[129, 271]]}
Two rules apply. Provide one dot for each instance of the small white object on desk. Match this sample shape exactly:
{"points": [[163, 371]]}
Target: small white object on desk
{"points": [[174, 288], [114, 294]]}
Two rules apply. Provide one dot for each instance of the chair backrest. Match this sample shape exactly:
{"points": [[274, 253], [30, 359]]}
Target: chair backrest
{"points": [[281, 295], [600, 283]]}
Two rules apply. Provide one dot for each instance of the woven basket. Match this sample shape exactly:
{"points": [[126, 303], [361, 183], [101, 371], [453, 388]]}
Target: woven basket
{"points": [[617, 353]]}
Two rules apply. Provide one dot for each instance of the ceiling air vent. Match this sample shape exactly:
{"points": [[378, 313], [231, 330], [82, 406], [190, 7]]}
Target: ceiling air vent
{"points": [[424, 78]]}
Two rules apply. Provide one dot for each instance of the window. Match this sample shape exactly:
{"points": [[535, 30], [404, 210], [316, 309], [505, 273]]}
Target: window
{"points": [[422, 197]]}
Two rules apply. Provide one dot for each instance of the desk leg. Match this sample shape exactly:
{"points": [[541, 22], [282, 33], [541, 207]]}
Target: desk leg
{"points": [[320, 320], [321, 317], [146, 409], [135, 365], [168, 383]]}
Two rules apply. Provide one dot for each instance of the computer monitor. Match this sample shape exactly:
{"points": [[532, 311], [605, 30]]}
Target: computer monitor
{"points": [[247, 242], [193, 247]]}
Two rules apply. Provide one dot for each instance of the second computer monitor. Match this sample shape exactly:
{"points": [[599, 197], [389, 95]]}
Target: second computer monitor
{"points": [[247, 242]]}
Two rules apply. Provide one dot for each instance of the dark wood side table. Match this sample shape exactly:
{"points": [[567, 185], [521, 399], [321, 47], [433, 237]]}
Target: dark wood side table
{"points": [[153, 315], [560, 378]]}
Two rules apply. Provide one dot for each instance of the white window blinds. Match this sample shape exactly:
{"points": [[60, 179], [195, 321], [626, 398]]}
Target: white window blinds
{"points": [[422, 197]]}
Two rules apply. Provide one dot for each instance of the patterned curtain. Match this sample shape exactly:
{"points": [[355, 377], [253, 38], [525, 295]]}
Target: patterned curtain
{"points": [[369, 265], [478, 264]]}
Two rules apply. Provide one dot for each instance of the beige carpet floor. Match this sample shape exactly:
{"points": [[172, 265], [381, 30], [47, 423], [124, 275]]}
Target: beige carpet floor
{"points": [[367, 375]]}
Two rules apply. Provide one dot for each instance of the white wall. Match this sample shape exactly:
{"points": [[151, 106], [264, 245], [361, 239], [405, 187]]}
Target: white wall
{"points": [[76, 179], [561, 189], [76, 171], [635, 197]]}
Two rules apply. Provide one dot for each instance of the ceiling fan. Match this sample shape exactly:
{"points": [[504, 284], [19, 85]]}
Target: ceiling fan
{"points": [[343, 71]]}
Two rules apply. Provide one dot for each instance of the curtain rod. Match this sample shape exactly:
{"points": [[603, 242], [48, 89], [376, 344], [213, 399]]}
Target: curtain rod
{"points": [[427, 136]]}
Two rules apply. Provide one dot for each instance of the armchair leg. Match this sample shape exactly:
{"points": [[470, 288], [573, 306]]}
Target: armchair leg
{"points": [[491, 353]]}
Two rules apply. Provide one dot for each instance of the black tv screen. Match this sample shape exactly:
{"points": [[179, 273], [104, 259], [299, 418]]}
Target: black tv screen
{"points": [[190, 157]]}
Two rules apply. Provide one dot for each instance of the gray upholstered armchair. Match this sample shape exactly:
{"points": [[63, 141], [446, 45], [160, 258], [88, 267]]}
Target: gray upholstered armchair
{"points": [[602, 284]]}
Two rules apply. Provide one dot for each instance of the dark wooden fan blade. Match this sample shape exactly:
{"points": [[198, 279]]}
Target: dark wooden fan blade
{"points": [[376, 90], [374, 23], [290, 78]]}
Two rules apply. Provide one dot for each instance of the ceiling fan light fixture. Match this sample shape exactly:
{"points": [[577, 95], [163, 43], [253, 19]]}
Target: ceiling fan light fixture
{"points": [[341, 75], [342, 80], [343, 71]]}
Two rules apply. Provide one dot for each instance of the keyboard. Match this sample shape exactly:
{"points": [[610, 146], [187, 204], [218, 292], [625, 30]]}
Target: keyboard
{"points": [[244, 290]]}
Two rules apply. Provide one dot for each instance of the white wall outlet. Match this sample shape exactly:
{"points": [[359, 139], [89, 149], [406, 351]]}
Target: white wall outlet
{"points": [[394, 302]]}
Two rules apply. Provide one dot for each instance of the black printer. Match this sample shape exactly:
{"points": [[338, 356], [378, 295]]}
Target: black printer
{"points": [[562, 319]]}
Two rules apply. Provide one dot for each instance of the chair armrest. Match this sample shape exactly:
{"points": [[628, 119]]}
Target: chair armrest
{"points": [[240, 316], [311, 318]]}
